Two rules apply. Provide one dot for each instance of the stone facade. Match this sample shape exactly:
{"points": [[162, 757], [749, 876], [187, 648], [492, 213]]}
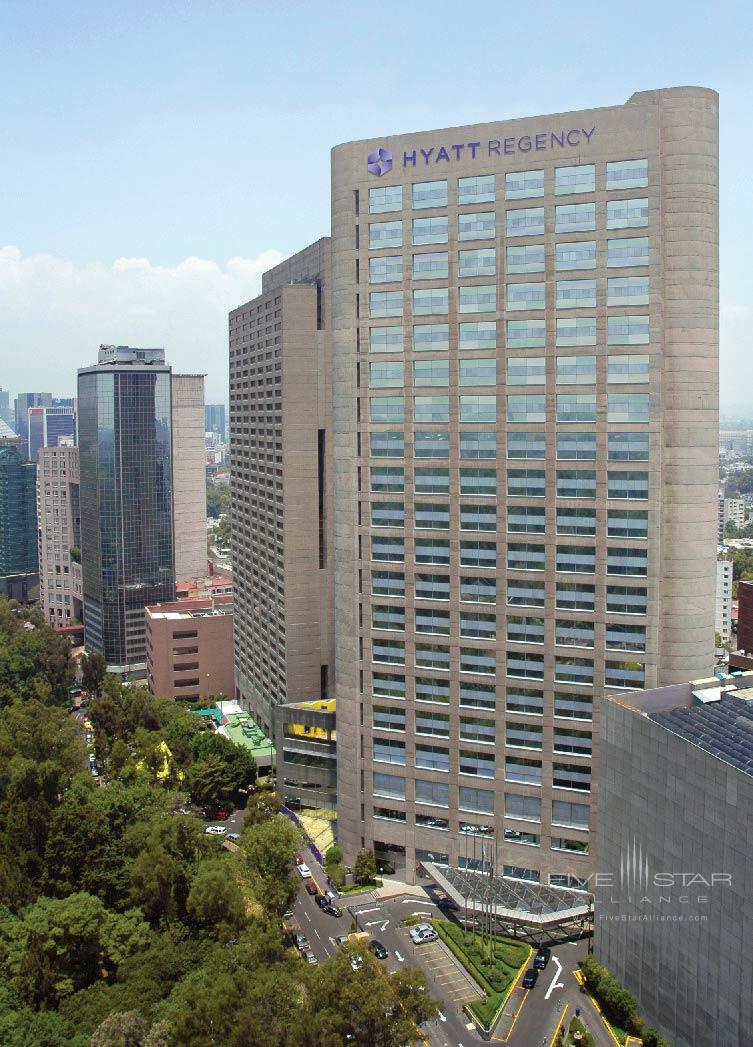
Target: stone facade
{"points": [[189, 484]]}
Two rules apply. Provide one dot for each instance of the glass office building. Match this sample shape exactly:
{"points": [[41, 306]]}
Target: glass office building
{"points": [[18, 513], [126, 499]]}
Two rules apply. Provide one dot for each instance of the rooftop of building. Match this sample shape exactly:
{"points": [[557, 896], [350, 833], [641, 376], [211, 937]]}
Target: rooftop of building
{"points": [[715, 715], [196, 607]]}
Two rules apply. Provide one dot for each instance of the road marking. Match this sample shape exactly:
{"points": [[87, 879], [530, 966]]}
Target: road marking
{"points": [[307, 916], [372, 923], [399, 957], [385, 925], [420, 914], [317, 933], [416, 901], [362, 912], [555, 984]]}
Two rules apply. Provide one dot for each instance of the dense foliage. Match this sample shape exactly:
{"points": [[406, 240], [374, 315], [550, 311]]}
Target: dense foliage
{"points": [[617, 1003], [121, 921]]}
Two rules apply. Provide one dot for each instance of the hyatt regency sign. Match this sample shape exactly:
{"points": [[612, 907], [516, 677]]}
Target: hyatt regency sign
{"points": [[381, 160]]}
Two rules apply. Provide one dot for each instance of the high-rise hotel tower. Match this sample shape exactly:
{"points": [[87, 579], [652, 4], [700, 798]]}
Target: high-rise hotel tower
{"points": [[525, 343]]}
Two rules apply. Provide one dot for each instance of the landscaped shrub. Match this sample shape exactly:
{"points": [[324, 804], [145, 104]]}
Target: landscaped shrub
{"points": [[617, 1003], [333, 856]]}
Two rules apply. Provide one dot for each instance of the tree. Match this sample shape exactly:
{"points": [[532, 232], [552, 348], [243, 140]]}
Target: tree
{"points": [[261, 805], [270, 849], [152, 875], [364, 867], [208, 783], [215, 903], [121, 1029], [93, 669]]}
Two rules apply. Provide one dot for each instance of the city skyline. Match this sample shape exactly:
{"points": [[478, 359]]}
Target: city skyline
{"points": [[102, 244]]}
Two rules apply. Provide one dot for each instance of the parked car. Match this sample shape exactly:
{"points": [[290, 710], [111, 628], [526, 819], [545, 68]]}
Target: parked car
{"points": [[288, 915], [423, 932], [541, 959], [304, 870], [309, 957], [234, 837], [311, 887], [321, 901], [356, 962], [378, 949], [331, 910], [341, 939], [530, 978], [301, 942], [215, 830]]}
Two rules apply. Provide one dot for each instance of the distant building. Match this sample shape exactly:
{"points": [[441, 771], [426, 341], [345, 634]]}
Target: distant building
{"points": [[21, 406], [18, 514], [6, 415], [59, 515], [306, 747], [189, 484], [214, 420], [46, 426], [733, 511], [189, 648], [674, 917], [281, 484], [723, 620], [214, 584]]}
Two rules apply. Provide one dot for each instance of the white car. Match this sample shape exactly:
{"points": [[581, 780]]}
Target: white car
{"points": [[304, 870], [215, 830], [356, 963], [423, 932]]}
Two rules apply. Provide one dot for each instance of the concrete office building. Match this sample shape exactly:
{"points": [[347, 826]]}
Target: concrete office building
{"points": [[733, 512], [280, 393], [675, 796], [525, 357], [47, 426], [723, 614], [59, 517], [189, 483], [189, 648]]}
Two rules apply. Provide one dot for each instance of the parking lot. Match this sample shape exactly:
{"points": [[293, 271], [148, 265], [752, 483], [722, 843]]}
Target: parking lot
{"points": [[446, 978]]}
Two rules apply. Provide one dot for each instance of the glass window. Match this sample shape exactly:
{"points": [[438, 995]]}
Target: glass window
{"points": [[526, 483], [525, 594], [427, 443], [574, 596], [477, 444], [478, 590], [480, 262], [518, 769], [387, 514], [431, 408], [432, 516], [632, 250], [430, 230], [525, 665], [628, 407], [573, 706], [522, 556], [478, 554], [389, 785], [385, 234], [431, 656], [627, 484], [522, 629], [386, 718], [432, 550], [387, 408], [525, 700], [526, 519], [576, 521], [526, 807], [435, 793], [627, 174], [388, 444], [477, 189], [525, 258], [627, 290], [528, 221], [578, 254], [627, 214], [431, 265], [478, 371], [526, 334], [429, 194], [386, 268], [430, 722], [573, 814], [385, 303], [436, 691], [389, 814], [573, 294], [477, 298], [479, 225], [526, 445], [431, 480], [576, 370], [479, 764], [387, 549], [630, 674], [385, 198], [431, 372], [388, 685], [581, 179], [576, 447], [528, 407], [480, 800], [477, 334], [431, 337], [389, 750], [574, 218], [386, 375], [577, 743], [576, 483], [388, 583], [627, 330], [390, 651], [627, 523], [429, 620], [386, 339], [428, 300], [576, 559], [633, 562], [478, 408], [576, 407], [624, 599], [478, 481], [628, 370], [432, 587], [522, 185], [574, 670], [626, 637], [627, 447], [526, 296], [569, 633], [477, 660], [477, 695], [480, 626], [576, 330]]}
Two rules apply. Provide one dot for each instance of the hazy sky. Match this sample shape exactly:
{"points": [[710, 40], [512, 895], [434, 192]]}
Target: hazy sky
{"points": [[158, 155]]}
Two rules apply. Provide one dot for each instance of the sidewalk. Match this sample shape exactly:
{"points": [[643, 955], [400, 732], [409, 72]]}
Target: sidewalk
{"points": [[394, 888]]}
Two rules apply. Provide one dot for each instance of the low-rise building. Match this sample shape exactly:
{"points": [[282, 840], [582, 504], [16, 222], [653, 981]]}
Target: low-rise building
{"points": [[674, 886], [306, 745], [189, 647]]}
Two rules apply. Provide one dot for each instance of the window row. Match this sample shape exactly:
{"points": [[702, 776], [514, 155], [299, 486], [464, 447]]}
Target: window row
{"points": [[570, 446], [521, 556], [622, 369], [526, 407]]}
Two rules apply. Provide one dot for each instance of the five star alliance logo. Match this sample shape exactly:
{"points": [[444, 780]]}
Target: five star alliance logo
{"points": [[379, 162]]}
